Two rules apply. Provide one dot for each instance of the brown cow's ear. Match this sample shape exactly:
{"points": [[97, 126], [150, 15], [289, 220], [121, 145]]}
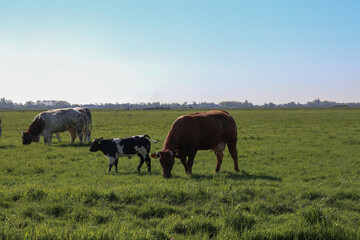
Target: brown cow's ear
{"points": [[157, 155]]}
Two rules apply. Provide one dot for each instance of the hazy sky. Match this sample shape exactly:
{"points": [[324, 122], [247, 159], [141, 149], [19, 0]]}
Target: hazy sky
{"points": [[175, 51]]}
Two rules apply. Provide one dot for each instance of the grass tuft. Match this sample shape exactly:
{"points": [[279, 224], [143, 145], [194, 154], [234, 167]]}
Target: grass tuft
{"points": [[34, 194], [239, 220]]}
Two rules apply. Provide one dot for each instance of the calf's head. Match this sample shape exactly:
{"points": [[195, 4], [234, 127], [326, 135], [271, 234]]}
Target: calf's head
{"points": [[167, 161], [28, 138], [96, 145]]}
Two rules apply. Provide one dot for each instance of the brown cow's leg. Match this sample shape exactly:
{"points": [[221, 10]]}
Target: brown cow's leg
{"points": [[190, 162], [218, 150], [183, 161], [234, 154], [219, 157]]}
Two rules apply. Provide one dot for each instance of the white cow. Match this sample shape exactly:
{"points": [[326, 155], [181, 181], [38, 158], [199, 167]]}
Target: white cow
{"points": [[53, 121], [88, 121]]}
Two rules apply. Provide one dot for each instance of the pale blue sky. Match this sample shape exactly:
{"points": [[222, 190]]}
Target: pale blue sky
{"points": [[176, 51]]}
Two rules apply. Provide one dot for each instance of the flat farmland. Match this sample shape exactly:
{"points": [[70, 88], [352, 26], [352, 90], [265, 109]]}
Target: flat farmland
{"points": [[299, 179]]}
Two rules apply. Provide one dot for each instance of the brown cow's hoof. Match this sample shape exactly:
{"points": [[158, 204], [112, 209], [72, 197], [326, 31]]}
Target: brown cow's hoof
{"points": [[217, 171], [237, 170]]}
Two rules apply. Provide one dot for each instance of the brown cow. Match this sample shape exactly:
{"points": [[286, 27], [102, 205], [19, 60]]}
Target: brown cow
{"points": [[198, 131]]}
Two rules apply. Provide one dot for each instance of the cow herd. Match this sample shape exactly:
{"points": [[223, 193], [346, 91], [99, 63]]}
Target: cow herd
{"points": [[211, 130]]}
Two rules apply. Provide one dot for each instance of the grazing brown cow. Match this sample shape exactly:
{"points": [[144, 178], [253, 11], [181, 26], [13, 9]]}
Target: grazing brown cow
{"points": [[198, 131]]}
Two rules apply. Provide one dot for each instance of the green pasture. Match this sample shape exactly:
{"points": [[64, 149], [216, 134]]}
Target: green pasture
{"points": [[299, 179]]}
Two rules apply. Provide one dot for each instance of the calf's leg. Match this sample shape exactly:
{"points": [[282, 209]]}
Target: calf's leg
{"points": [[148, 162], [112, 160], [116, 164], [142, 160]]}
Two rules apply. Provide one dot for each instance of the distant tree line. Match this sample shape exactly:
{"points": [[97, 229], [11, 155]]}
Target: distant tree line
{"points": [[52, 104]]}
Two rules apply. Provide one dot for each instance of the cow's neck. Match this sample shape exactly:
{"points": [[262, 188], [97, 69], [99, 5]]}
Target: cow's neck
{"points": [[170, 146], [106, 147], [36, 127]]}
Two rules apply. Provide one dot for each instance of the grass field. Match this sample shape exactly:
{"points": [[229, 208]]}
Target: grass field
{"points": [[299, 179]]}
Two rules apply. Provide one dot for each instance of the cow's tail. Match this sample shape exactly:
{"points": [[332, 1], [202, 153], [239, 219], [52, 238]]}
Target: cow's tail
{"points": [[147, 136], [89, 122], [90, 118], [86, 127]]}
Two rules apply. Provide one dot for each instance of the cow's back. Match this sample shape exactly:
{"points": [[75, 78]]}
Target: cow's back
{"points": [[201, 131], [86, 112], [59, 120]]}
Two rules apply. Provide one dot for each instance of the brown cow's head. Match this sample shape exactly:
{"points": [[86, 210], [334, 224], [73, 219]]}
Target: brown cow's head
{"points": [[29, 138], [167, 161]]}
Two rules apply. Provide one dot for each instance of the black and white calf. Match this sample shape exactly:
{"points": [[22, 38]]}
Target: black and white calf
{"points": [[124, 147]]}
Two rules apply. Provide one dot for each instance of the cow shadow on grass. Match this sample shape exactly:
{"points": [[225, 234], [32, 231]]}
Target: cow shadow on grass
{"points": [[242, 175], [133, 173], [124, 172], [65, 145], [7, 146]]}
